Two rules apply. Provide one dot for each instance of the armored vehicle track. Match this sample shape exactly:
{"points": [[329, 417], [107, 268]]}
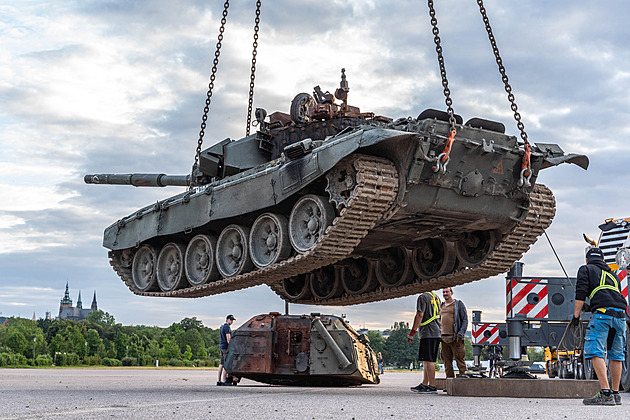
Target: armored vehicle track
{"points": [[510, 249]]}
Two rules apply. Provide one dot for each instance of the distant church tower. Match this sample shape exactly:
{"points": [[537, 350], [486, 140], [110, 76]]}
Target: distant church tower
{"points": [[66, 302], [75, 313], [94, 306]]}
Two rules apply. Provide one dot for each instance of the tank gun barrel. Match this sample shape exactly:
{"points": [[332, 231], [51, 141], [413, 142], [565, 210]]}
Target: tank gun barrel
{"points": [[139, 180]]}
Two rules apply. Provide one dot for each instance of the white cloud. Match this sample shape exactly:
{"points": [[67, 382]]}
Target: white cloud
{"points": [[119, 86]]}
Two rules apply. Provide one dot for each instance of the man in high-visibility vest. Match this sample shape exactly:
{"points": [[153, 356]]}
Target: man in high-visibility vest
{"points": [[607, 328], [428, 319]]}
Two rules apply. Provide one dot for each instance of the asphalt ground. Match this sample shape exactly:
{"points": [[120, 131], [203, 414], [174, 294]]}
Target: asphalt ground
{"points": [[192, 394]]}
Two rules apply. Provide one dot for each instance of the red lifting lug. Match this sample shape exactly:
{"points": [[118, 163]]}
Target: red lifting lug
{"points": [[444, 157], [526, 168]]}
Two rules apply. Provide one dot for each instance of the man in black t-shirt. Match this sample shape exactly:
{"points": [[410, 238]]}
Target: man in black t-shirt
{"points": [[606, 333], [428, 319], [224, 339]]}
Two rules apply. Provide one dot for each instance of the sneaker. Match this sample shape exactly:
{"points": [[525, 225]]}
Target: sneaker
{"points": [[220, 383], [617, 397], [600, 399], [429, 390], [418, 388]]}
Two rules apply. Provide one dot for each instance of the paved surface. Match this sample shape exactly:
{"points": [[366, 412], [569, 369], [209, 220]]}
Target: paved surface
{"points": [[192, 394]]}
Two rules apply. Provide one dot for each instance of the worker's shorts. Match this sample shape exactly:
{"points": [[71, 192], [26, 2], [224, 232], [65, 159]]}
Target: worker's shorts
{"points": [[428, 350], [605, 333]]}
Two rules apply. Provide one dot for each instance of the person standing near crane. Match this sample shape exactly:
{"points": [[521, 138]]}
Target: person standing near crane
{"points": [[428, 319], [607, 328]]}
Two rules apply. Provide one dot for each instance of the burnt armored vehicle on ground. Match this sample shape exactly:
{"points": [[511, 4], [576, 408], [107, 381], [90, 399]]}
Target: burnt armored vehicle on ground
{"points": [[331, 206], [306, 350]]}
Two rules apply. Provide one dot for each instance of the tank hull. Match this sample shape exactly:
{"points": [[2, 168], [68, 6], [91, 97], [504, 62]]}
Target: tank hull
{"points": [[387, 199], [305, 350]]}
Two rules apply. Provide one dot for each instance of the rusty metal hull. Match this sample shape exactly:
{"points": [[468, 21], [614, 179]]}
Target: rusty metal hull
{"points": [[305, 350]]}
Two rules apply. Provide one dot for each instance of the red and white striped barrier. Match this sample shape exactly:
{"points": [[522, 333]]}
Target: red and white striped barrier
{"points": [[528, 298], [623, 276], [485, 333]]}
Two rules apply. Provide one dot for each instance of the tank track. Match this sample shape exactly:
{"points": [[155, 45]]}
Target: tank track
{"points": [[373, 196], [540, 214]]}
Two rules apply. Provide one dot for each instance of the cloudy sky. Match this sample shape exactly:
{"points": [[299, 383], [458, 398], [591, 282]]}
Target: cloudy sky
{"points": [[119, 86]]}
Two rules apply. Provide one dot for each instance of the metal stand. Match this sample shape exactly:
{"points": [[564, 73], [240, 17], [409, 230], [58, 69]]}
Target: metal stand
{"points": [[516, 369]]}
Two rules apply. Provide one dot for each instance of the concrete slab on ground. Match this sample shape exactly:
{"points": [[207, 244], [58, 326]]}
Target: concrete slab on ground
{"points": [[521, 388]]}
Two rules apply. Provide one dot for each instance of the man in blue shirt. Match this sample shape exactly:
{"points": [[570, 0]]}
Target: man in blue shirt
{"points": [[224, 339]]}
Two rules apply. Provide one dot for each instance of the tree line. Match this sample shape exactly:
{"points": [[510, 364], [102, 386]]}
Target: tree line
{"points": [[99, 340]]}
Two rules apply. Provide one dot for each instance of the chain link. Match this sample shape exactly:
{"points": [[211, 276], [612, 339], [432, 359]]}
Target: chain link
{"points": [[253, 75], [508, 88], [215, 63], [438, 50]]}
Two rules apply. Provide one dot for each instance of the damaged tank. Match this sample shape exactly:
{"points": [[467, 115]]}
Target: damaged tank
{"points": [[305, 350], [328, 205]]}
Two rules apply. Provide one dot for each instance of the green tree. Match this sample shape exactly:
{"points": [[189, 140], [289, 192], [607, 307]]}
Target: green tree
{"points": [[377, 341], [190, 323], [22, 336], [16, 341], [121, 342], [44, 324], [94, 342], [397, 350], [188, 353], [468, 345], [536, 354], [170, 349], [192, 338]]}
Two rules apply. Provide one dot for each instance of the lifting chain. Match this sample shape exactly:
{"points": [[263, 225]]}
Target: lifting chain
{"points": [[253, 75], [443, 158], [215, 63], [526, 172]]}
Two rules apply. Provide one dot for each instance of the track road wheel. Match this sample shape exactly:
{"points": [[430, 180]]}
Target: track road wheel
{"points": [[433, 257], [357, 275], [269, 240], [310, 217], [475, 246], [143, 269], [170, 267], [233, 251], [200, 264], [297, 287], [393, 268], [325, 283]]}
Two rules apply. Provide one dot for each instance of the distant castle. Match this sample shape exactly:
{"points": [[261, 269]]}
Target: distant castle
{"points": [[75, 313]]}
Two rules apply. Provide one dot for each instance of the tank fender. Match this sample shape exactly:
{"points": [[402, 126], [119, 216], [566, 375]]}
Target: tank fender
{"points": [[553, 155], [577, 159]]}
